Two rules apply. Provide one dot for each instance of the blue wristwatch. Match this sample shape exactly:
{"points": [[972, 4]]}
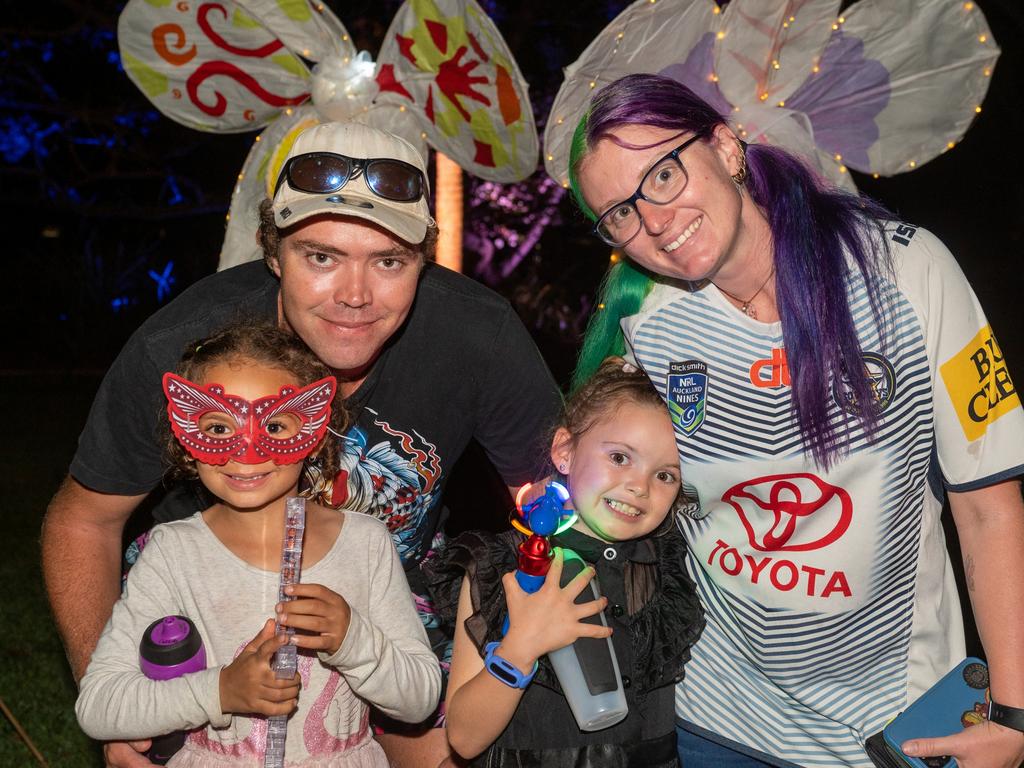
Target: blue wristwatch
{"points": [[504, 670]]}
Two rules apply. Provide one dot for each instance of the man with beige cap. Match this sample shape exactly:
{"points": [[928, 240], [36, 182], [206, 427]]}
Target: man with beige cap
{"points": [[427, 359]]}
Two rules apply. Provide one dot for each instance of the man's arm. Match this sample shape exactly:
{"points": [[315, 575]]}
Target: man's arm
{"points": [[518, 402], [81, 551], [990, 523]]}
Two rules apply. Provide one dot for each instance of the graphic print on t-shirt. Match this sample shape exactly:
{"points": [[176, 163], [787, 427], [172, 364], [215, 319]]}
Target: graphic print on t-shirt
{"points": [[792, 538], [782, 501], [686, 389], [392, 480], [978, 382], [881, 379]]}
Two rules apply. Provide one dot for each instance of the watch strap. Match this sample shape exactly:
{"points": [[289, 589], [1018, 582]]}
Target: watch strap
{"points": [[1011, 717], [504, 670]]}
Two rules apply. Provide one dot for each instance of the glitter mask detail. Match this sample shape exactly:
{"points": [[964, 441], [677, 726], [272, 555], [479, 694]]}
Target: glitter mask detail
{"points": [[251, 443]]}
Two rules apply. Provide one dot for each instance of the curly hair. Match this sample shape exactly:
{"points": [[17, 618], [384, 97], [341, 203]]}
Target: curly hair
{"points": [[267, 345], [611, 385], [270, 235]]}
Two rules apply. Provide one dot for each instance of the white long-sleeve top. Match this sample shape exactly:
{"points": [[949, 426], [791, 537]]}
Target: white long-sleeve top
{"points": [[184, 569]]}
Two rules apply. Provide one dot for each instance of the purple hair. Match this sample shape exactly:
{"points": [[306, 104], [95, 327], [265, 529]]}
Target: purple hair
{"points": [[815, 229]]}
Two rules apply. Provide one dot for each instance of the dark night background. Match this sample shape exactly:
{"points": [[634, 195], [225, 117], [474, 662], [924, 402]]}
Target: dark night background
{"points": [[102, 196], [100, 190]]}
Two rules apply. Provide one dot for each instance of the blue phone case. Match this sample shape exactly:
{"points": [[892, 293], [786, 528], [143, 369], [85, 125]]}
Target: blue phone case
{"points": [[959, 700]]}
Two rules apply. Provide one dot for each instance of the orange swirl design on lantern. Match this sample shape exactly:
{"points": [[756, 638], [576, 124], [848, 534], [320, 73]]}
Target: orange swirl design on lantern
{"points": [[171, 36]]}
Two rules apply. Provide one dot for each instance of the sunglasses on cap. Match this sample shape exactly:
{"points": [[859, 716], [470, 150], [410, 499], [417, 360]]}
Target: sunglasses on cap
{"points": [[320, 173]]}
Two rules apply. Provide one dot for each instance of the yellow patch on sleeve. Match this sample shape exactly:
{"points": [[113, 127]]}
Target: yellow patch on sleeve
{"points": [[978, 383]]}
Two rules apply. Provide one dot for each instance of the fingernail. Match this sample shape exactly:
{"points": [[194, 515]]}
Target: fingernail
{"points": [[910, 748], [289, 590]]}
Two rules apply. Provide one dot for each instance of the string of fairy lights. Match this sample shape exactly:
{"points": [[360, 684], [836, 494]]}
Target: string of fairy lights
{"points": [[775, 64]]}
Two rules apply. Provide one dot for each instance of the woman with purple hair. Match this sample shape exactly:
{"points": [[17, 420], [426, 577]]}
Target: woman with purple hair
{"points": [[831, 377]]}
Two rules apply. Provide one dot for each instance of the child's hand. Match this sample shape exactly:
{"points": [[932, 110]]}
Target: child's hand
{"points": [[548, 619], [248, 685], [322, 613]]}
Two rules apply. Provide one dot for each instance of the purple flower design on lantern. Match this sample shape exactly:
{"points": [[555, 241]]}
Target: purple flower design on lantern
{"points": [[844, 85], [695, 73], [843, 99]]}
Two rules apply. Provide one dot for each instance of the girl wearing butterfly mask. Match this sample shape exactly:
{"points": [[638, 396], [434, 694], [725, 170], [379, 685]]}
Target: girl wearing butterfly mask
{"points": [[247, 407]]}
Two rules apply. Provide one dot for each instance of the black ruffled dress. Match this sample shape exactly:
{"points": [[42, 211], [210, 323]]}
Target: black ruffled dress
{"points": [[652, 647]]}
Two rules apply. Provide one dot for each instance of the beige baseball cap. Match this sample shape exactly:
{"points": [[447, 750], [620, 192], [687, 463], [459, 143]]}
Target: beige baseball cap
{"points": [[406, 220]]}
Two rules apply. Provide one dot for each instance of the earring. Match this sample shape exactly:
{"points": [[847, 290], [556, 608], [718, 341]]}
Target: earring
{"points": [[740, 177], [561, 468]]}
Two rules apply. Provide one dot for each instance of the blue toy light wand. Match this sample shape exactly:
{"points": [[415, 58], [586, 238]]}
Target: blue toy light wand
{"points": [[588, 669]]}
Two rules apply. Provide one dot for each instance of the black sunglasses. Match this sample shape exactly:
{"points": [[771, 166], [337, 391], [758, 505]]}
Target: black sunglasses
{"points": [[320, 173]]}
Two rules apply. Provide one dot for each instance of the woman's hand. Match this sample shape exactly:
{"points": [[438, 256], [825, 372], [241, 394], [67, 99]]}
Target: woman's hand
{"points": [[322, 614], [248, 685], [985, 745], [549, 618]]}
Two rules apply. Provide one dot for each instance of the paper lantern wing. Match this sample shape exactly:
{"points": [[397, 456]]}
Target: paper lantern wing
{"points": [[882, 87], [930, 91], [646, 37], [308, 29], [766, 49], [445, 63], [212, 66], [256, 181]]}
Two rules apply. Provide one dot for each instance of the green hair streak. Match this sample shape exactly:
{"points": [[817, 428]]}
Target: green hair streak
{"points": [[622, 291]]}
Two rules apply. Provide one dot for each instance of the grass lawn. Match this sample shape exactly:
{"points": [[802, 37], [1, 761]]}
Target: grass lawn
{"points": [[35, 681]]}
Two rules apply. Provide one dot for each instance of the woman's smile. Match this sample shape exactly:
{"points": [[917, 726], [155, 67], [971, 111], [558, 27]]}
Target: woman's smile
{"points": [[687, 234]]}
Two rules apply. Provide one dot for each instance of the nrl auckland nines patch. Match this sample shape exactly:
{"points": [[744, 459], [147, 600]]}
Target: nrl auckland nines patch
{"points": [[686, 389]]}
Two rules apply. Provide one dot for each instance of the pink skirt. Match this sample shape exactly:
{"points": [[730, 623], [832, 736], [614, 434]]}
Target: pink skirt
{"points": [[366, 754]]}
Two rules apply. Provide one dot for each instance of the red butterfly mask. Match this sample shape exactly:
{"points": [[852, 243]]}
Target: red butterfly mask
{"points": [[284, 429]]}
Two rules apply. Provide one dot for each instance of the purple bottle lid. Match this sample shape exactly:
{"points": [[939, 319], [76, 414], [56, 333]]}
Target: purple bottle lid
{"points": [[170, 630], [171, 647]]}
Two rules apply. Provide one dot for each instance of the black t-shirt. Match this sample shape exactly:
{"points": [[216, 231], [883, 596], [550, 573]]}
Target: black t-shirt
{"points": [[462, 366]]}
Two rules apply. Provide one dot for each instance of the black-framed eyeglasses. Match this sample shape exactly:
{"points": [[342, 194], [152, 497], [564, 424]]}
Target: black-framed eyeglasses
{"points": [[321, 173], [662, 184]]}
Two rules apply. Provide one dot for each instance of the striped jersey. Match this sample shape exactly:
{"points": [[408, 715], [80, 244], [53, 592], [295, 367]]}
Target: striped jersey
{"points": [[830, 598]]}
